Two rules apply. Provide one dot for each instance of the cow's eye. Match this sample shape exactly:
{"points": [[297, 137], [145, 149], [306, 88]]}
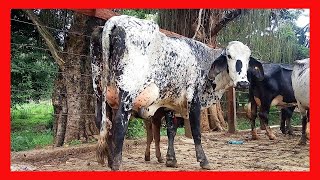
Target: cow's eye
{"points": [[256, 68], [229, 56]]}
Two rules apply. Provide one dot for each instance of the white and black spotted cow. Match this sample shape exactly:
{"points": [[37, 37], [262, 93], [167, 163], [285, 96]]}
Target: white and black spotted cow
{"points": [[301, 87], [143, 70]]}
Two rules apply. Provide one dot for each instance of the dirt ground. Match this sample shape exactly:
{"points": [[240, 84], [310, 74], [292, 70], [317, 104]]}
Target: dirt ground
{"points": [[282, 154]]}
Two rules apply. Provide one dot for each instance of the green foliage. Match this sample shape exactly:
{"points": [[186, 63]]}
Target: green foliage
{"points": [[32, 68], [28, 139], [31, 125], [136, 128], [149, 14], [272, 35]]}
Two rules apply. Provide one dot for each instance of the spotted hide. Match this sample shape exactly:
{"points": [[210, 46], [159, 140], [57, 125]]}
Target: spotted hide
{"points": [[301, 87], [143, 70]]}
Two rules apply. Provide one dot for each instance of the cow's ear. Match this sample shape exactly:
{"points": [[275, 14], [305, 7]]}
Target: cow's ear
{"points": [[218, 65], [256, 68], [224, 53]]}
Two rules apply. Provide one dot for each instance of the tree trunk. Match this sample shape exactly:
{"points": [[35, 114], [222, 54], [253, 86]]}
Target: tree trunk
{"points": [[73, 100], [231, 110], [59, 102], [220, 115], [204, 121], [187, 128], [214, 121]]}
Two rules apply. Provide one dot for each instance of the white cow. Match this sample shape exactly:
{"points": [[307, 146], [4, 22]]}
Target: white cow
{"points": [[301, 87]]}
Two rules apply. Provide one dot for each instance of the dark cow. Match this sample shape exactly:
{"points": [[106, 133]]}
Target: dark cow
{"points": [[143, 70], [301, 87], [274, 89]]}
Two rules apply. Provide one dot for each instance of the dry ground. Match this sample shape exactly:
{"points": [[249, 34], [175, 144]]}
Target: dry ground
{"points": [[282, 154]]}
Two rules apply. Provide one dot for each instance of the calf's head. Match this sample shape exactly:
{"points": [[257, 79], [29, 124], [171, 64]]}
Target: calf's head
{"points": [[255, 71], [236, 60]]}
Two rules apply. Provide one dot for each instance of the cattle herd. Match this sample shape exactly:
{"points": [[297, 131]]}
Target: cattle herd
{"points": [[139, 71]]}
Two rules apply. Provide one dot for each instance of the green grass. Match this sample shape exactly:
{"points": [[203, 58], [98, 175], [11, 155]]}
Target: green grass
{"points": [[135, 129], [25, 140], [163, 131], [31, 125]]}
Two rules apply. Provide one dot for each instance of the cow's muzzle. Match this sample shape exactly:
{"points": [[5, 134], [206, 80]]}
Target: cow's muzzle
{"points": [[242, 85]]}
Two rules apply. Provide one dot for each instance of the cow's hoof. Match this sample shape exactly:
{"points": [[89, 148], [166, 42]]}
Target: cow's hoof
{"points": [[147, 158], [160, 160], [255, 137], [115, 168], [308, 130], [205, 165], [171, 163], [290, 132], [110, 165], [110, 162], [272, 137], [302, 141]]}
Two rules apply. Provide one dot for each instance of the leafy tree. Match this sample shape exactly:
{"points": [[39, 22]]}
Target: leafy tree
{"points": [[32, 69]]}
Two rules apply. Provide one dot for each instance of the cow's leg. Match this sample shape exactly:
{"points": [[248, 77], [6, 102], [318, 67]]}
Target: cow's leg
{"points": [[308, 126], [263, 114], [303, 139], [283, 121], [156, 125], [286, 114], [194, 118], [262, 125], [171, 132], [120, 127], [148, 126], [253, 121]]}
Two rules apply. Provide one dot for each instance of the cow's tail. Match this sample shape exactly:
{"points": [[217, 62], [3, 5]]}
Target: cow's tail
{"points": [[100, 62], [96, 67]]}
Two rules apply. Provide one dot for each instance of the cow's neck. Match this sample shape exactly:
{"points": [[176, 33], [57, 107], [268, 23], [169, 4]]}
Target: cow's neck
{"points": [[212, 90]]}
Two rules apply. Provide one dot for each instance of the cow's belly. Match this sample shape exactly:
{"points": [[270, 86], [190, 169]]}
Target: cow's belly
{"points": [[277, 101], [149, 95], [149, 111], [301, 86], [148, 101], [302, 94], [177, 104]]}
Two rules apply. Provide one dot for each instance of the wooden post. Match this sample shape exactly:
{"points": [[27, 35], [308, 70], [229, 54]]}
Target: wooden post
{"points": [[187, 128], [231, 106], [204, 121]]}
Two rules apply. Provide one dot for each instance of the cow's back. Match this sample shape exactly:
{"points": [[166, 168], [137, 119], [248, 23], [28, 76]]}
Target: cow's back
{"points": [[276, 83], [301, 81]]}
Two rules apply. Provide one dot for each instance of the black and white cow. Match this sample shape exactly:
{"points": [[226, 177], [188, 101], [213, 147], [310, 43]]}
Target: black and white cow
{"points": [[301, 88], [274, 89], [143, 70]]}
